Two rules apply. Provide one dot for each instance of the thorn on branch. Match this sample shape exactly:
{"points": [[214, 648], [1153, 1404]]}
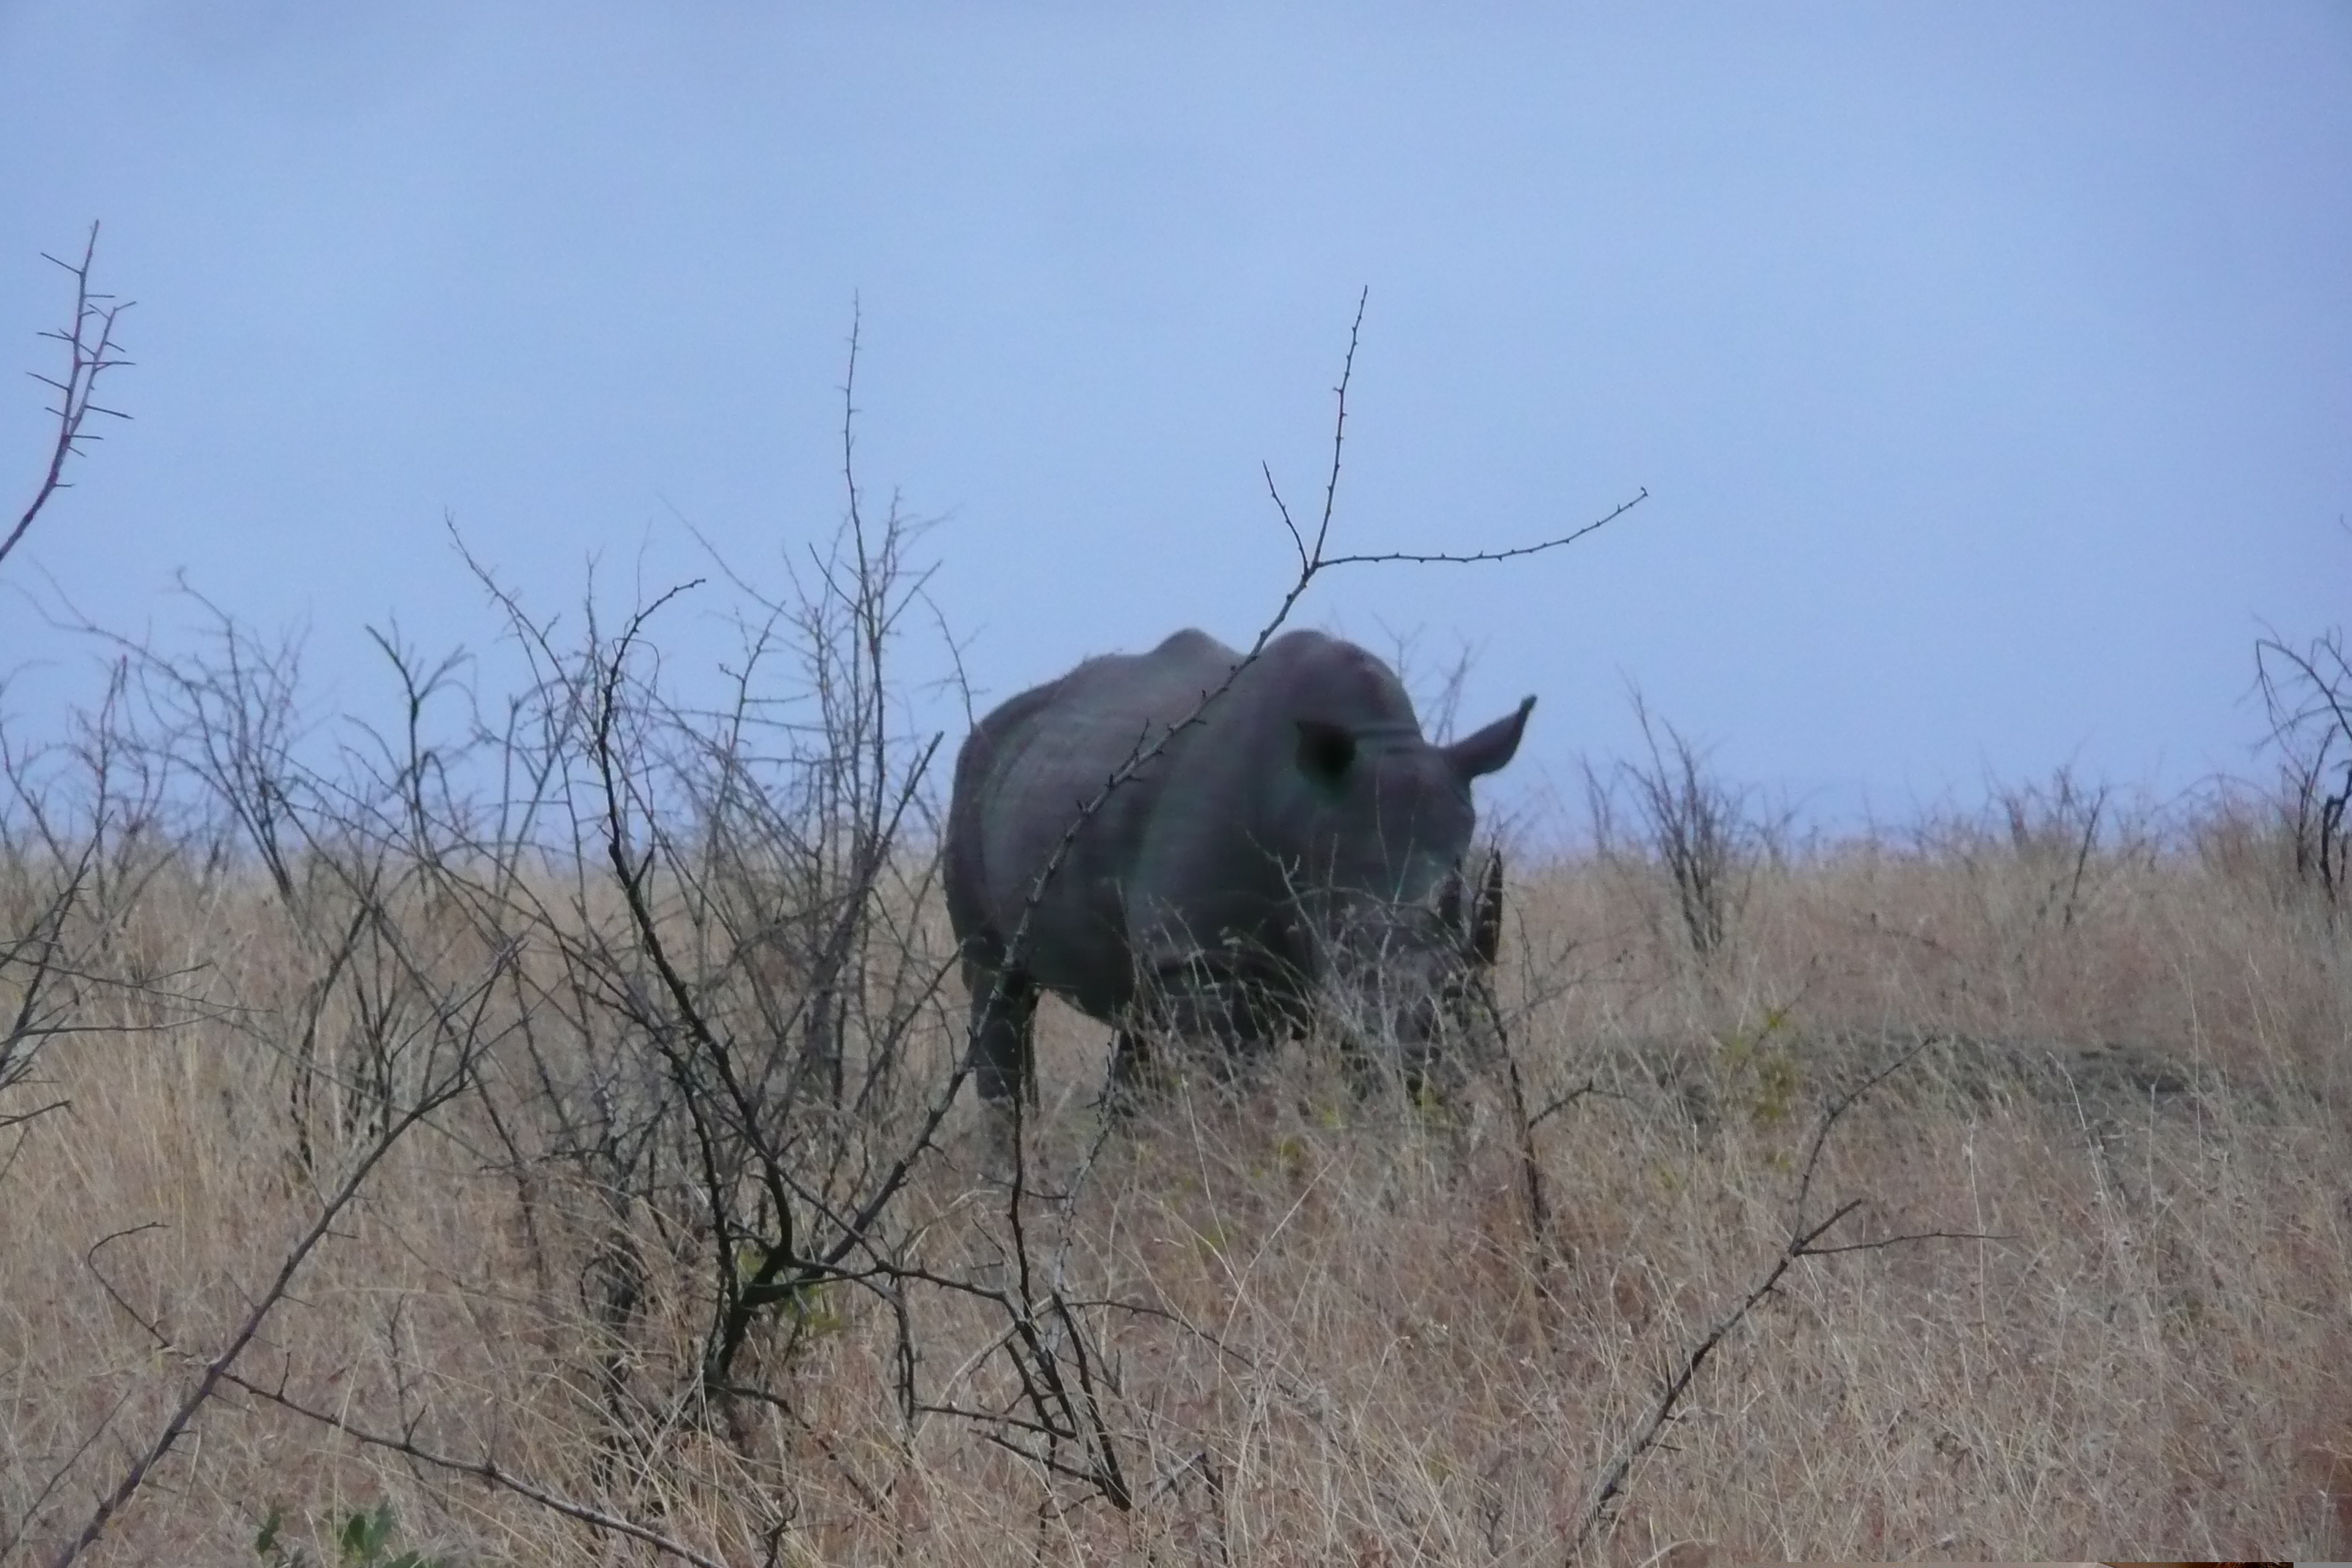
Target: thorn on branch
{"points": [[90, 352], [1804, 1241]]}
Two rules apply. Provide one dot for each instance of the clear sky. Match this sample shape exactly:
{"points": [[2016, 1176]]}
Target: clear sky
{"points": [[1989, 367]]}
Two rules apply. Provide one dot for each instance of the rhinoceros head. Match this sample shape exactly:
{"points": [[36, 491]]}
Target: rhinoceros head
{"points": [[1389, 910]]}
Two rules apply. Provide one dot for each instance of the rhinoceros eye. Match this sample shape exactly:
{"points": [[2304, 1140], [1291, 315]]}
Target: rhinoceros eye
{"points": [[1326, 751]]}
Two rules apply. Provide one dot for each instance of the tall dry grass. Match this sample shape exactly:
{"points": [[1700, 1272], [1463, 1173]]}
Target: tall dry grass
{"points": [[1330, 1329]]}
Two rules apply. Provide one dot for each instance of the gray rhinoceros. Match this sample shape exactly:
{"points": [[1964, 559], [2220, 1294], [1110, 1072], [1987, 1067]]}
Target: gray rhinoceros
{"points": [[1299, 839]]}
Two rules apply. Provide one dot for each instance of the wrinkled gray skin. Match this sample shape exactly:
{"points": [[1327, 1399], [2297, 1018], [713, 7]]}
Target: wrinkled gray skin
{"points": [[1301, 840]]}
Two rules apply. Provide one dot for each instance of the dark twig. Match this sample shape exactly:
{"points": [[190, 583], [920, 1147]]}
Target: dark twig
{"points": [[90, 352], [486, 1470], [32, 1509], [1804, 1241], [219, 1369]]}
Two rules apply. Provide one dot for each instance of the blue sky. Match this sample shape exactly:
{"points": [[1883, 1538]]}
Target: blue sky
{"points": [[1989, 367]]}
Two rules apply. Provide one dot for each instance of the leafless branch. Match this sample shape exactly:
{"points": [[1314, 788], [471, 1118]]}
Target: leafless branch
{"points": [[1804, 1241], [486, 1469], [90, 352], [218, 1368]]}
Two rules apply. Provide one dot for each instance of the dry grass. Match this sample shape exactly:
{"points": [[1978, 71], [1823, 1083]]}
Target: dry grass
{"points": [[1334, 1333]]}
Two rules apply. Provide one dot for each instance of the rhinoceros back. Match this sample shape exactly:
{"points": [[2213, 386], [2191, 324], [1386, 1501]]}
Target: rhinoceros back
{"points": [[1024, 776]]}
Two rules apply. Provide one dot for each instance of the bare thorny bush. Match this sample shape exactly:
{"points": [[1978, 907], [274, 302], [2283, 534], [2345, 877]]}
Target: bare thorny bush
{"points": [[2040, 862], [2307, 695], [670, 972], [1700, 832], [671, 967]]}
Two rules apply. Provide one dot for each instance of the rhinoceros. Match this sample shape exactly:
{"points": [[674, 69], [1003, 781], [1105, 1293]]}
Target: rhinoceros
{"points": [[1299, 838]]}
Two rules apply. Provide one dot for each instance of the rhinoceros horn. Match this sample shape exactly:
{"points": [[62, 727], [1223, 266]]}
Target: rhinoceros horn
{"points": [[1486, 917]]}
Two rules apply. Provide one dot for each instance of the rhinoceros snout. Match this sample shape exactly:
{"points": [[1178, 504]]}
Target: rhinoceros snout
{"points": [[1390, 963]]}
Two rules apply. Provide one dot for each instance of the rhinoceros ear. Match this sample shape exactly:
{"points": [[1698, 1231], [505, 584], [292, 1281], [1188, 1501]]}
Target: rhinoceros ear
{"points": [[1326, 751], [1474, 756]]}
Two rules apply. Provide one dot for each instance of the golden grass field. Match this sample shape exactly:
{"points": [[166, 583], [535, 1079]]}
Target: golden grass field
{"points": [[1330, 1329]]}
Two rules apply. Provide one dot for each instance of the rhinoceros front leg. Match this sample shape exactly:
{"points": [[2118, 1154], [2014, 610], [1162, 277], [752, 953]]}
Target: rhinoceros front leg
{"points": [[1004, 1049], [1191, 1012], [1132, 1079]]}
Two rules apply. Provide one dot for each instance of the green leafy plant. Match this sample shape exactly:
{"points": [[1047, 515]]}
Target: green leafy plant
{"points": [[1766, 1054], [365, 1540]]}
